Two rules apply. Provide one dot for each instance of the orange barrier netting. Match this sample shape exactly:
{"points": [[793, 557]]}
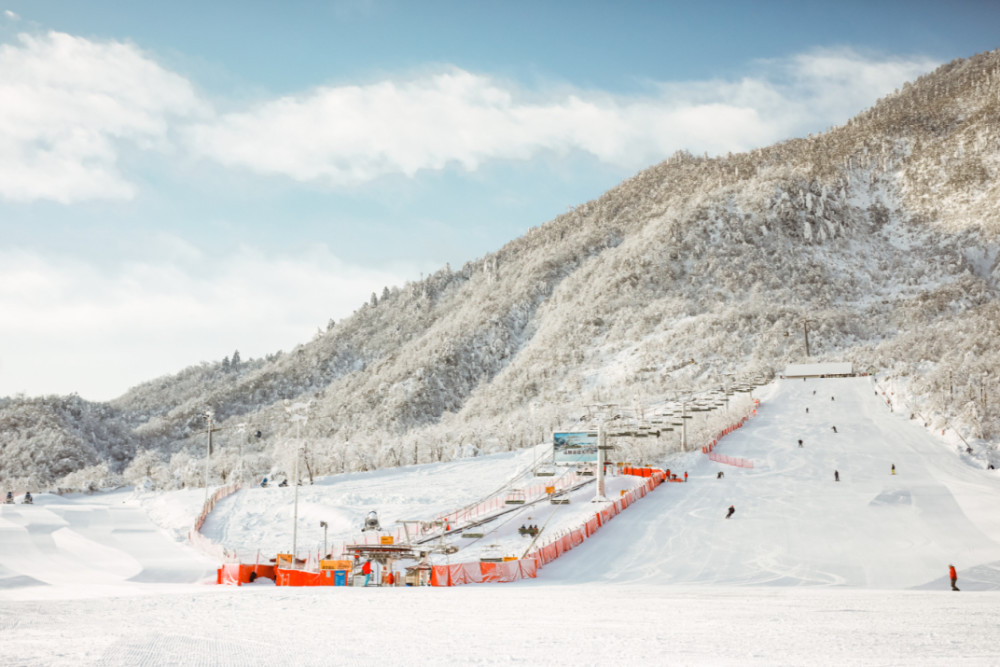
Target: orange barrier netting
{"points": [[731, 460], [471, 573], [707, 449], [235, 574]]}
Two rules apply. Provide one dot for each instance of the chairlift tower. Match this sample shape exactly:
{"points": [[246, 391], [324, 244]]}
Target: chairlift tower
{"points": [[602, 447]]}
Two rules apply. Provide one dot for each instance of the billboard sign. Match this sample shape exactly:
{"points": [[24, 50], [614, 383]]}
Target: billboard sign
{"points": [[575, 447]]}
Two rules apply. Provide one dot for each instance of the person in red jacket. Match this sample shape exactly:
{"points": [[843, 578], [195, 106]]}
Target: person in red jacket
{"points": [[954, 577], [366, 570], [685, 476]]}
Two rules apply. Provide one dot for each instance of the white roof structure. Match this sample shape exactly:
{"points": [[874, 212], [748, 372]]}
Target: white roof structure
{"points": [[830, 368]]}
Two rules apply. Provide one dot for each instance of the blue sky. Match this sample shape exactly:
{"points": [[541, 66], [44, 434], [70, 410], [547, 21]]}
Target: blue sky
{"points": [[180, 180]]}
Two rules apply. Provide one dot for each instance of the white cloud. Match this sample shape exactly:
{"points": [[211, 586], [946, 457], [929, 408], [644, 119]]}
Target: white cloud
{"points": [[69, 326], [11, 15], [71, 104], [350, 134], [67, 103]]}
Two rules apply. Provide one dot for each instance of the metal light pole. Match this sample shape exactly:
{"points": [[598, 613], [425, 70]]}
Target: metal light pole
{"points": [[208, 450], [297, 412], [805, 328]]}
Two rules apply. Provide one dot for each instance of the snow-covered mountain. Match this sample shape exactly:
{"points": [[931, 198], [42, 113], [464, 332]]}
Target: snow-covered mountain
{"points": [[880, 236]]}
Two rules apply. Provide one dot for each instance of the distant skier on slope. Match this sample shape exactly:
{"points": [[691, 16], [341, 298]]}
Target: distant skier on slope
{"points": [[954, 577], [800, 443], [836, 475], [834, 429], [732, 511], [893, 468]]}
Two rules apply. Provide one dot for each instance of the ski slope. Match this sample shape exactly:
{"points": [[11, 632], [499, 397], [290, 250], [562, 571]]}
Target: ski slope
{"points": [[808, 571], [794, 525], [85, 545]]}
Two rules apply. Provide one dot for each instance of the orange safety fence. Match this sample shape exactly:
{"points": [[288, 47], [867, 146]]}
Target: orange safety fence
{"points": [[236, 574], [474, 573], [731, 460], [478, 573]]}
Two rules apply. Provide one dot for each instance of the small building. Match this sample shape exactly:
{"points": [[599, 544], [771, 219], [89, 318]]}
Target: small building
{"points": [[830, 369]]}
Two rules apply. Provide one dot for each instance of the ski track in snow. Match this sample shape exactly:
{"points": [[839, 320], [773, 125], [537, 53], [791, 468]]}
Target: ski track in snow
{"points": [[807, 571]]}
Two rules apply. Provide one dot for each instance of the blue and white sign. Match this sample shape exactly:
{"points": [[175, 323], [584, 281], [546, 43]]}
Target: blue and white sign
{"points": [[574, 447]]}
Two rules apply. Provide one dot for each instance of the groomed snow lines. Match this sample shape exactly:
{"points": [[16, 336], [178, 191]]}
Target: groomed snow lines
{"points": [[730, 460]]}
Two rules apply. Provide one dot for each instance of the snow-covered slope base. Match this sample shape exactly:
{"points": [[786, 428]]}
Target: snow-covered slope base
{"points": [[808, 570], [795, 525]]}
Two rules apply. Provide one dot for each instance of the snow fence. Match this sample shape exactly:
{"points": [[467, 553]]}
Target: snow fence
{"points": [[527, 567], [202, 543], [730, 460]]}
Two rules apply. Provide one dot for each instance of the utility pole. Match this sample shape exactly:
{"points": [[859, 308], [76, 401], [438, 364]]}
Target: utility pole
{"points": [[805, 327], [209, 415], [297, 414]]}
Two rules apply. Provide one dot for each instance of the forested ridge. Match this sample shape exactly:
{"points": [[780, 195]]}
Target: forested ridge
{"points": [[882, 234]]}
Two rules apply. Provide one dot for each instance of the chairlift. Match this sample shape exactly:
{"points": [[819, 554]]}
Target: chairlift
{"points": [[515, 497], [492, 554], [561, 498]]}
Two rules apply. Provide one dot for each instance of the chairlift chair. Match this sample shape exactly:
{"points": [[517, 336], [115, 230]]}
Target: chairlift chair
{"points": [[515, 497]]}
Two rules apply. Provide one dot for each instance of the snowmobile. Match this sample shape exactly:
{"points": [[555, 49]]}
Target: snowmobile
{"points": [[10, 499], [28, 500]]}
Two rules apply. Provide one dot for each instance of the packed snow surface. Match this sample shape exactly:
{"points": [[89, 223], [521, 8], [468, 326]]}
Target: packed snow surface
{"points": [[808, 570]]}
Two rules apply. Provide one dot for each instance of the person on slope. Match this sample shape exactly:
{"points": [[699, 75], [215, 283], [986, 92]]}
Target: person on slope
{"points": [[732, 511], [263, 483], [800, 443], [10, 498], [836, 475], [720, 475], [893, 468], [28, 500], [685, 476], [953, 576], [834, 429]]}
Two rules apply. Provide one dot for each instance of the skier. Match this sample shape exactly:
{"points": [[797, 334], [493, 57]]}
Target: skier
{"points": [[954, 577], [807, 410], [732, 511], [685, 476], [831, 398], [836, 475], [263, 483], [720, 475], [366, 570], [284, 483], [27, 499], [10, 498], [834, 429], [893, 468], [800, 443]]}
